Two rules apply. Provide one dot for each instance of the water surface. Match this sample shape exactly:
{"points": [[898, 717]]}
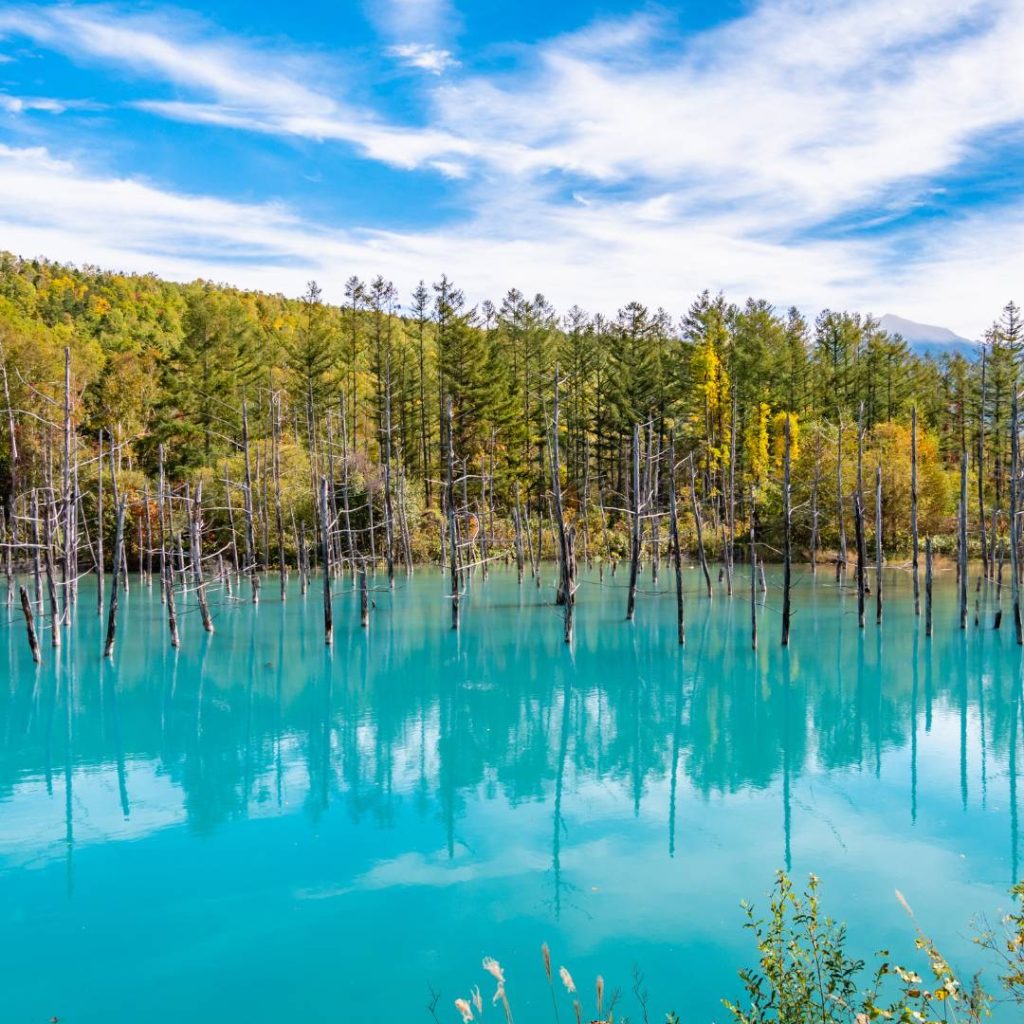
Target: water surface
{"points": [[258, 828]]}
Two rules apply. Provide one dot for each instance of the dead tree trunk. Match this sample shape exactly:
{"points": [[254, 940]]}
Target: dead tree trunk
{"points": [[196, 543], [915, 541], [389, 513], [985, 570], [753, 576], [167, 561], [567, 584], [878, 545], [325, 557], [148, 537], [787, 540], [1018, 626], [518, 521], [634, 549], [250, 526], [121, 504], [962, 540], [697, 524], [815, 486], [928, 586], [37, 559], [30, 626], [282, 565], [453, 543], [858, 524], [534, 561], [67, 496], [99, 528], [8, 499], [345, 487], [677, 557], [51, 580], [585, 502], [301, 556], [8, 533], [403, 518], [730, 561], [841, 556]]}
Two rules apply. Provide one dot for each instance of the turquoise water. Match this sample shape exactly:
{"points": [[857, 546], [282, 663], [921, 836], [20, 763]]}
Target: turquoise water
{"points": [[258, 828]]}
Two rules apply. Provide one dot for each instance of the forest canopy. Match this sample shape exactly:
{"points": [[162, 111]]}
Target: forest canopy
{"points": [[161, 365]]}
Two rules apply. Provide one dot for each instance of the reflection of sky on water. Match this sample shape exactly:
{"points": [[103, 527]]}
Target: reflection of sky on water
{"points": [[258, 826]]}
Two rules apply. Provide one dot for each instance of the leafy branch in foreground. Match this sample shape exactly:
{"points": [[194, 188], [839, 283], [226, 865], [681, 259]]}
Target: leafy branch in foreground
{"points": [[1007, 947], [804, 974]]}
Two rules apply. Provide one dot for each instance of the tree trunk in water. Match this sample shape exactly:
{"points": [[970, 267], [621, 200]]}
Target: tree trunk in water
{"points": [[985, 568], [915, 540], [1018, 626], [787, 542], [325, 557], [518, 518], [567, 582], [677, 557], [69, 504], [753, 577], [841, 555], [30, 626], [878, 545], [815, 484], [51, 581], [121, 503], [453, 544], [858, 523], [250, 527], [278, 512], [928, 586], [99, 528], [634, 550], [962, 540], [697, 524], [196, 531], [37, 561]]}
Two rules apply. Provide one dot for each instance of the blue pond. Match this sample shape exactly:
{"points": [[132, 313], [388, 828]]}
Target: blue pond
{"points": [[258, 828]]}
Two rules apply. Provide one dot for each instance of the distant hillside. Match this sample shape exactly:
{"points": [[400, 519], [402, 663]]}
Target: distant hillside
{"points": [[928, 339]]}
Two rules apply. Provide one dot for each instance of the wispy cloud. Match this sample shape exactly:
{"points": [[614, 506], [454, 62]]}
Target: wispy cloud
{"points": [[23, 104], [228, 81], [573, 254], [804, 112], [420, 21]]}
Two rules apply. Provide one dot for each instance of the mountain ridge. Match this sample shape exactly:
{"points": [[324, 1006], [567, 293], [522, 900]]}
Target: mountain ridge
{"points": [[929, 339]]}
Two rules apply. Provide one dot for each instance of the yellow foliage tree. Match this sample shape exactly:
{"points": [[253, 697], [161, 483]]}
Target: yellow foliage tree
{"points": [[756, 444], [713, 390]]}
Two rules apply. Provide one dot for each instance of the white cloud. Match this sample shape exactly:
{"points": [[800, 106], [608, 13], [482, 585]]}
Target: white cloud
{"points": [[423, 56]]}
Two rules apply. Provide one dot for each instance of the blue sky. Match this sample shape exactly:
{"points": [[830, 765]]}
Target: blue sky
{"points": [[859, 154]]}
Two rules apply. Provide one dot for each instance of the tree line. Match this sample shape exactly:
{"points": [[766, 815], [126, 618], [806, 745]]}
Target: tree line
{"points": [[165, 367]]}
